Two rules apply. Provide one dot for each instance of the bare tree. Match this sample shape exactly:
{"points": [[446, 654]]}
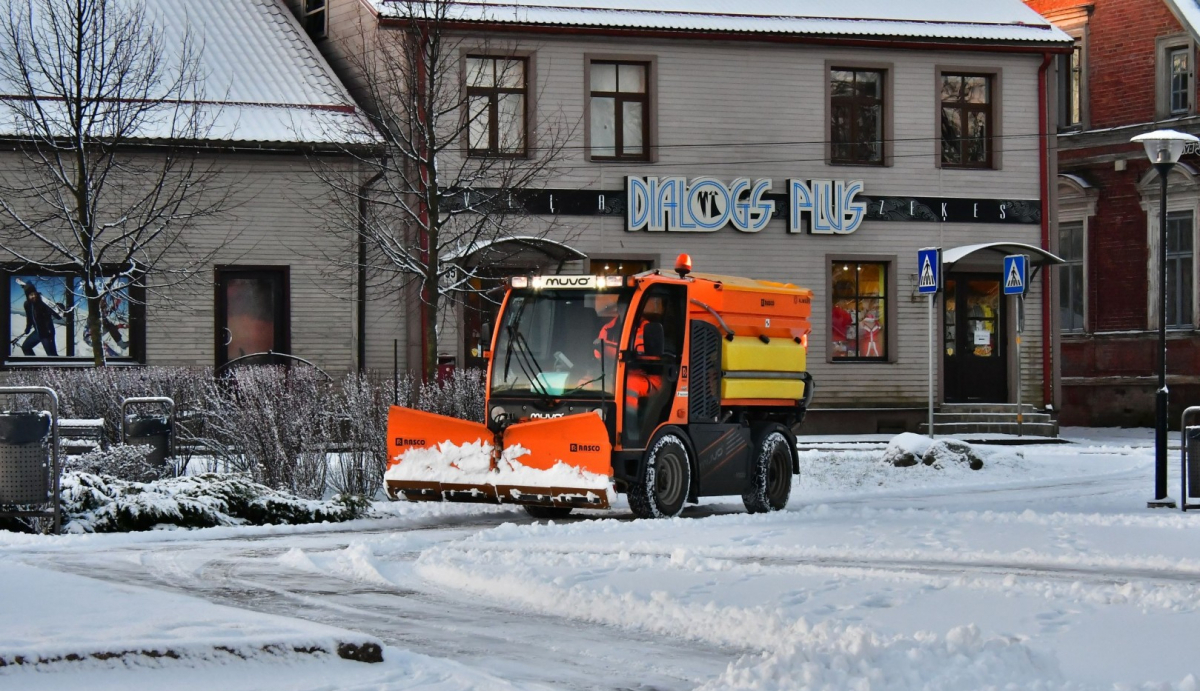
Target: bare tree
{"points": [[458, 153], [103, 107]]}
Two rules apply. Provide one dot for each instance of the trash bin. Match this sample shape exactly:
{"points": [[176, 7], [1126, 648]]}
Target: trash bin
{"points": [[153, 431], [1192, 469], [24, 458]]}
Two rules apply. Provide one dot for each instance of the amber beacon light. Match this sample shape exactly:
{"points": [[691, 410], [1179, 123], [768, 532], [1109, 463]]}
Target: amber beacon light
{"points": [[683, 265]]}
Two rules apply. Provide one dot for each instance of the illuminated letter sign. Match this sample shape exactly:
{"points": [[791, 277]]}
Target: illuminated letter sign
{"points": [[828, 204], [702, 205]]}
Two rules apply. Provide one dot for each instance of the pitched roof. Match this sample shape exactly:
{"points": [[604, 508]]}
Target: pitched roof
{"points": [[1188, 14], [263, 80], [1001, 21]]}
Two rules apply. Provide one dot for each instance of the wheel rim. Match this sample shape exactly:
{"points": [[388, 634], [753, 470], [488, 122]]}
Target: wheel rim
{"points": [[779, 473], [668, 480]]}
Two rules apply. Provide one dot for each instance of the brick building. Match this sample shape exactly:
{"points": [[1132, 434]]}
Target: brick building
{"points": [[1132, 71]]}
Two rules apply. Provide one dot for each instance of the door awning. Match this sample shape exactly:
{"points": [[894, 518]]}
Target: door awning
{"points": [[989, 256], [515, 252]]}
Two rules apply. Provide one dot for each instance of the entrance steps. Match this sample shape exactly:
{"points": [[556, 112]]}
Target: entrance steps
{"points": [[990, 418]]}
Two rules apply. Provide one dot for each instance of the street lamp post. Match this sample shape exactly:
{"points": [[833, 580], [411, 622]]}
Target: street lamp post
{"points": [[1163, 147]]}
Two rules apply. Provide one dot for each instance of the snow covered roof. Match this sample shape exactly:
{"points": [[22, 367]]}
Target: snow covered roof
{"points": [[262, 80], [974, 20]]}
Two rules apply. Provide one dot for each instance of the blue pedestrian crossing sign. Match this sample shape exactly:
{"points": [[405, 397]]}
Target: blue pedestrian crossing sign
{"points": [[1016, 274], [929, 270]]}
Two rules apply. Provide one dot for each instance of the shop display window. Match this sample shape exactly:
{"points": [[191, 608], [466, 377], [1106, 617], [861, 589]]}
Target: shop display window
{"points": [[857, 323], [48, 318]]}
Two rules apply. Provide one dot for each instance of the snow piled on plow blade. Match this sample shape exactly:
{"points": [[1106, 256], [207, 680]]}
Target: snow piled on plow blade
{"points": [[454, 472]]}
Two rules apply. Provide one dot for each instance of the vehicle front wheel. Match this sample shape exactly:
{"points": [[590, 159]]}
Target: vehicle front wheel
{"points": [[548, 511], [664, 479], [770, 472]]}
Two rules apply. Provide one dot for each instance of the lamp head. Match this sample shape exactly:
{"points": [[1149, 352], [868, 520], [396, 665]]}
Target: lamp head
{"points": [[1164, 147]]}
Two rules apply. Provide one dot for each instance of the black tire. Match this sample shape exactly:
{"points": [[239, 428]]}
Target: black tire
{"points": [[664, 478], [548, 511], [770, 471]]}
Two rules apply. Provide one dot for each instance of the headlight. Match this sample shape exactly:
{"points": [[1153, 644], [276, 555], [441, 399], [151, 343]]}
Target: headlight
{"points": [[497, 413], [600, 412]]}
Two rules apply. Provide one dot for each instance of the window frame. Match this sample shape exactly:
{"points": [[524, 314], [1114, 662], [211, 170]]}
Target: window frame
{"points": [[137, 319], [1067, 87], [493, 93], [1074, 264], [619, 98], [1183, 321], [315, 8], [1165, 46], [1182, 186], [221, 304], [891, 348], [885, 70], [991, 108]]}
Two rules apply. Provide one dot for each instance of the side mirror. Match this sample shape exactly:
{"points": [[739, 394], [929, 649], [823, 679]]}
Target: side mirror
{"points": [[653, 340], [487, 334]]}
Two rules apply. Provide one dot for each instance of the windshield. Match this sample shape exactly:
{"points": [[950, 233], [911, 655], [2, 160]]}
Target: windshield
{"points": [[559, 343]]}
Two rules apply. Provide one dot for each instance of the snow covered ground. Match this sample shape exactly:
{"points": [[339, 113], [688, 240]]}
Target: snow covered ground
{"points": [[1043, 570]]}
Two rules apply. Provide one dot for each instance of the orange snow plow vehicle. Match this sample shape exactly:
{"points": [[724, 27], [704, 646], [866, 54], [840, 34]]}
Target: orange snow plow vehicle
{"points": [[666, 388]]}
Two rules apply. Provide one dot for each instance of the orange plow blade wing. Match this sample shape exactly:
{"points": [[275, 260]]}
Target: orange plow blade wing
{"points": [[412, 429], [563, 462]]}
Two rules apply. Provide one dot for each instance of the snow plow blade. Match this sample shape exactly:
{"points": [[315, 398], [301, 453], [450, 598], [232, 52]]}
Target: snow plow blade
{"points": [[413, 429], [561, 462]]}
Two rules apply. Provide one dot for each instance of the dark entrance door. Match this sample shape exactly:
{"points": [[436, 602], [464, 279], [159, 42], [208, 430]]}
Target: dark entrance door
{"points": [[253, 314], [975, 345]]}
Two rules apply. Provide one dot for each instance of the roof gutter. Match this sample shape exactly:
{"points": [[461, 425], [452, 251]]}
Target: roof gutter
{"points": [[754, 37]]}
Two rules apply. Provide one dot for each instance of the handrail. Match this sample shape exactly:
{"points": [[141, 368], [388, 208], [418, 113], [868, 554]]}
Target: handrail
{"points": [[713, 312], [54, 464], [272, 353]]}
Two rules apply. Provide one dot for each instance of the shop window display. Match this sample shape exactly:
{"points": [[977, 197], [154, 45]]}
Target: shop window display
{"points": [[48, 318], [857, 324]]}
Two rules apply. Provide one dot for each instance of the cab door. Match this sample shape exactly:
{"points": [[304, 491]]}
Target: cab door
{"points": [[652, 359]]}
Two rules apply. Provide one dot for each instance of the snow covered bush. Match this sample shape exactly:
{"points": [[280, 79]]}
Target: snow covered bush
{"points": [[909, 449], [362, 409], [274, 424], [92, 503], [461, 395], [121, 462]]}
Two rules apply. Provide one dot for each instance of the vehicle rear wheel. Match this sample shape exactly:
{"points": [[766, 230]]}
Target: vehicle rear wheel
{"points": [[770, 472], [548, 511], [664, 479]]}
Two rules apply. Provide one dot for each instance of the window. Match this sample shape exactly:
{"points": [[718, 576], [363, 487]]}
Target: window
{"points": [[856, 116], [1071, 88], [496, 97], [253, 313], [313, 18], [1070, 276], [48, 317], [857, 327], [620, 105], [1180, 101], [966, 120], [1179, 269]]}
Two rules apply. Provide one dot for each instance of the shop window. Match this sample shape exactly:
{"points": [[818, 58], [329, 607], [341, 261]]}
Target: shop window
{"points": [[48, 318], [858, 327], [1180, 264], [619, 110], [497, 98], [1071, 277], [313, 18], [1071, 88], [967, 127], [856, 102]]}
